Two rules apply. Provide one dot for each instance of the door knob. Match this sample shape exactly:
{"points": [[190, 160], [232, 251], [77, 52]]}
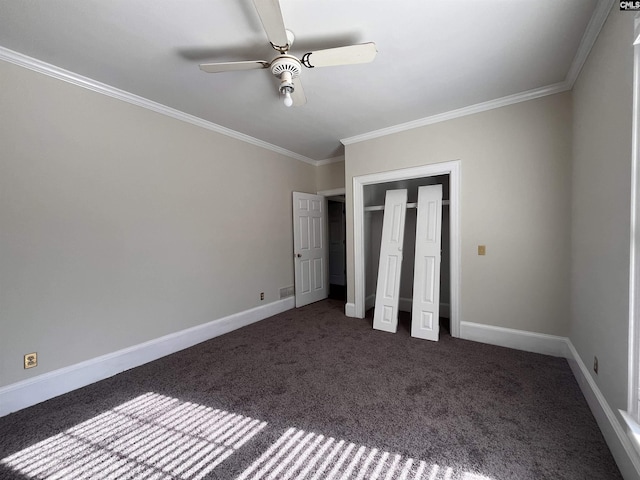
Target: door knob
{"points": [[298, 255]]}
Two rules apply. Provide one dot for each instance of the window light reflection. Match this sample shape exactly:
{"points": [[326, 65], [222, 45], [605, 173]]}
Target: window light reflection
{"points": [[151, 437], [298, 455], [155, 437]]}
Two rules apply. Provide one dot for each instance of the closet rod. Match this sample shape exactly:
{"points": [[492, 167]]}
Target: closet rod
{"points": [[377, 208]]}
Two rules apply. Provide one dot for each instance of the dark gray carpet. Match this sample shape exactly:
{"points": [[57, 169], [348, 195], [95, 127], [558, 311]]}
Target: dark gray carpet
{"points": [[312, 394]]}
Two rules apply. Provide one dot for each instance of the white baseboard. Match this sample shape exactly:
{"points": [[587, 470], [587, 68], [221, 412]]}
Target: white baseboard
{"points": [[48, 385], [405, 305], [43, 387], [518, 339], [614, 433], [350, 310], [370, 302]]}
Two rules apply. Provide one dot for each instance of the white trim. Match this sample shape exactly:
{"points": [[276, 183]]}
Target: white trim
{"points": [[350, 310], [633, 390], [333, 192], [512, 338], [370, 302], [359, 281], [598, 18], [591, 33], [461, 112], [451, 168], [621, 446], [48, 385], [619, 443], [319, 163], [614, 434], [633, 429], [405, 304], [104, 89]]}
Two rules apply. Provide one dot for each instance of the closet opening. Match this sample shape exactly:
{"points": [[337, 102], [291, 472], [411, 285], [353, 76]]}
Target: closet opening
{"points": [[369, 191], [374, 198]]}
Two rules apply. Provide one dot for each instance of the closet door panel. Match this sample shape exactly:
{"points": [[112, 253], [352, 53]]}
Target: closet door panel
{"points": [[385, 316], [425, 311]]}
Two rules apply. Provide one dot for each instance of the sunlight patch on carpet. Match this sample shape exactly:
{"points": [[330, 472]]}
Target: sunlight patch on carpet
{"points": [[151, 437], [298, 455]]}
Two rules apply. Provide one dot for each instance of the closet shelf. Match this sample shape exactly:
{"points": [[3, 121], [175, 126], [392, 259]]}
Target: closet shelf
{"points": [[378, 208]]}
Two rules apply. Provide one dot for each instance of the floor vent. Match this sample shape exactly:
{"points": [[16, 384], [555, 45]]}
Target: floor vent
{"points": [[287, 292]]}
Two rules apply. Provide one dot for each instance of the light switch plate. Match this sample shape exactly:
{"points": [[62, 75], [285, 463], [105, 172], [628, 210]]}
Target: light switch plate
{"points": [[482, 250]]}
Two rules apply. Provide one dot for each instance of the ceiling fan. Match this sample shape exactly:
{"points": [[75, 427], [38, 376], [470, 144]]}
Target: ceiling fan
{"points": [[287, 67]]}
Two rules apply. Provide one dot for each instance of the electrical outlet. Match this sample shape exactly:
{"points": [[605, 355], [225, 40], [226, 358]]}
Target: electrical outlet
{"points": [[261, 295], [595, 364], [31, 360]]}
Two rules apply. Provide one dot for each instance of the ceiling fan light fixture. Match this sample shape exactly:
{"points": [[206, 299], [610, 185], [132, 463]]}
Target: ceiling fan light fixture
{"points": [[286, 87], [288, 101], [286, 69]]}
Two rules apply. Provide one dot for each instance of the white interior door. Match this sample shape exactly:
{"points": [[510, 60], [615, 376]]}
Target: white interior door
{"points": [[385, 314], [310, 247], [426, 277]]}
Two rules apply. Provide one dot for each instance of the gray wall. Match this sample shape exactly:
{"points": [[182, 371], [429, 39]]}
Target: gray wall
{"points": [[600, 214], [120, 225], [515, 200], [330, 176]]}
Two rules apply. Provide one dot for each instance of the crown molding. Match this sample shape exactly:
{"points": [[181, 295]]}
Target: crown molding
{"points": [[589, 38], [461, 112], [104, 89], [598, 18], [319, 163], [592, 31]]}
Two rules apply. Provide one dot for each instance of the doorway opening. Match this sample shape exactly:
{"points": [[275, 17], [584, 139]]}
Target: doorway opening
{"points": [[374, 199], [337, 248], [362, 241], [337, 243]]}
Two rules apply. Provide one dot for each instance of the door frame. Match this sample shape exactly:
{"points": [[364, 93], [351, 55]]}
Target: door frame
{"points": [[451, 168]]}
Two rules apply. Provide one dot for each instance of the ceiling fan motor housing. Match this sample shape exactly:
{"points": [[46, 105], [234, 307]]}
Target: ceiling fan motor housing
{"points": [[286, 64], [286, 68]]}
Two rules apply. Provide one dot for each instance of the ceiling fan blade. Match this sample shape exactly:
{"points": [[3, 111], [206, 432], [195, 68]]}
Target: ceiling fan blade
{"points": [[233, 66], [272, 22], [363, 53], [298, 96]]}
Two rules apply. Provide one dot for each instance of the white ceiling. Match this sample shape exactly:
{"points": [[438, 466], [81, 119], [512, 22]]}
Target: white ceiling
{"points": [[434, 56]]}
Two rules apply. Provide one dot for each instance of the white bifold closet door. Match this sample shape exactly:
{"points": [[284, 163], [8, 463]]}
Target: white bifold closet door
{"points": [[426, 277], [385, 315]]}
